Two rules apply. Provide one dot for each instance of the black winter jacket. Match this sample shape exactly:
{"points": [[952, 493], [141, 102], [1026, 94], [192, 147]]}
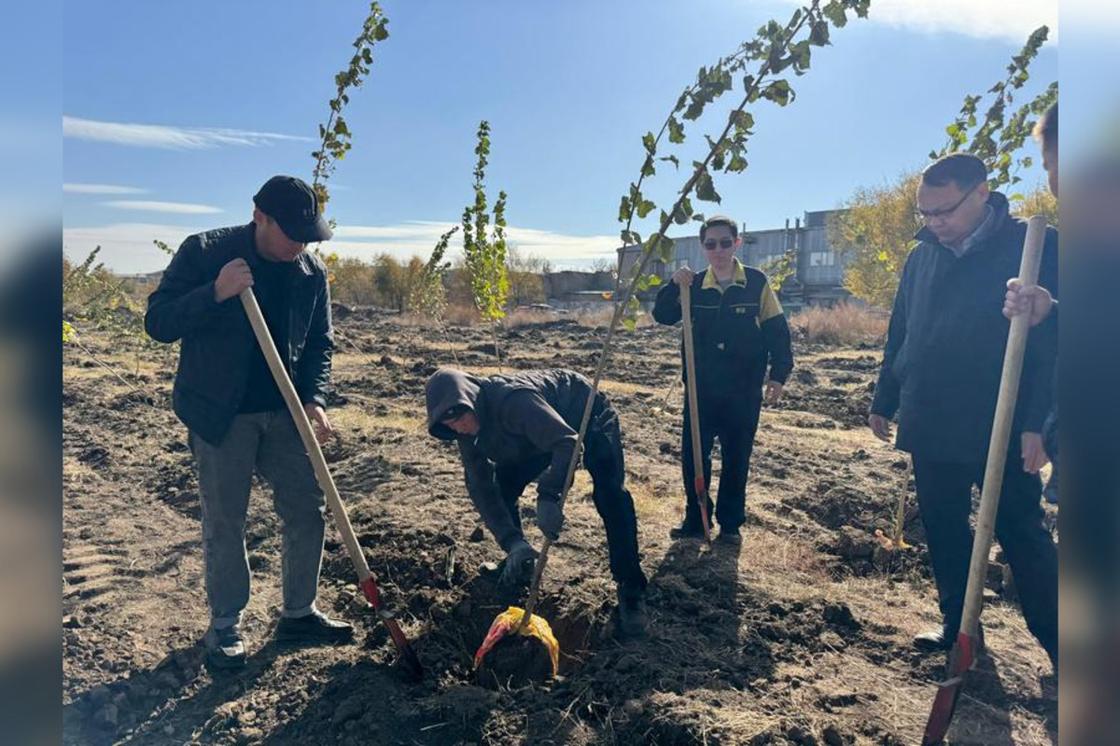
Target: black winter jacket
{"points": [[736, 333], [521, 416], [945, 344], [217, 340]]}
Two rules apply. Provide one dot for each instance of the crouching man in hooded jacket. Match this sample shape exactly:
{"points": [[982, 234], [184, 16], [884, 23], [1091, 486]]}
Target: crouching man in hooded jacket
{"points": [[516, 428]]}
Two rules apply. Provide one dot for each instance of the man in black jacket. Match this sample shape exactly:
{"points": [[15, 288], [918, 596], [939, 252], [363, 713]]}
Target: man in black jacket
{"points": [[940, 374], [237, 420], [738, 330], [516, 428]]}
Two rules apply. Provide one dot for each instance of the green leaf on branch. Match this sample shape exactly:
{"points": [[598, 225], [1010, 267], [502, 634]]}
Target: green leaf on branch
{"points": [[818, 35], [834, 11], [676, 131], [672, 158], [649, 143], [644, 207], [705, 189], [779, 92], [683, 213], [624, 209]]}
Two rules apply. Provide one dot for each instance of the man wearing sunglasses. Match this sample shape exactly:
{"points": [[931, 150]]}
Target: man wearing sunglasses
{"points": [[516, 428], [739, 331], [940, 375]]}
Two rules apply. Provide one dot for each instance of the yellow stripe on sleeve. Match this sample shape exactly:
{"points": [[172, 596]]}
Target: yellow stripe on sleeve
{"points": [[769, 307]]}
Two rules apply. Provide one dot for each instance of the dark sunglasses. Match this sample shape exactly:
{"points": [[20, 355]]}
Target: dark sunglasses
{"points": [[723, 243]]}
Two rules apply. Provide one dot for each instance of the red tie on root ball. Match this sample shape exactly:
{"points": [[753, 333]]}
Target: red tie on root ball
{"points": [[537, 630]]}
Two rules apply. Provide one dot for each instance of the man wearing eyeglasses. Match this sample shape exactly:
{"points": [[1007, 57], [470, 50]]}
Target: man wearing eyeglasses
{"points": [[940, 375], [522, 427], [738, 330]]}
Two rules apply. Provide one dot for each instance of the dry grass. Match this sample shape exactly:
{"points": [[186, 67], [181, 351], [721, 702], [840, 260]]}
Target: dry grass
{"points": [[842, 324], [357, 418]]}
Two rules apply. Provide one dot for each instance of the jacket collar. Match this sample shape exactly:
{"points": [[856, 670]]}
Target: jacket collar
{"points": [[1001, 210], [710, 281]]}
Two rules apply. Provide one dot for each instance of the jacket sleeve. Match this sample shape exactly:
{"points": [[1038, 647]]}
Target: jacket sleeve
{"points": [[482, 486], [775, 335], [184, 300], [1042, 349], [888, 389], [667, 306], [314, 367], [530, 415]]}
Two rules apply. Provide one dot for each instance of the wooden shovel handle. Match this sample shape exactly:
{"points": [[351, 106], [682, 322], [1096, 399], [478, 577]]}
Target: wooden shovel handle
{"points": [[699, 484], [291, 398], [1001, 432]]}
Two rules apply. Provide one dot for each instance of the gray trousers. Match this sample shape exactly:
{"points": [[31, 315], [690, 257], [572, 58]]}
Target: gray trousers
{"points": [[268, 443]]}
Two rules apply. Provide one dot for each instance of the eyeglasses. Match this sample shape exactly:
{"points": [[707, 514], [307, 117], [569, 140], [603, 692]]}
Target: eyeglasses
{"points": [[723, 243], [925, 216]]}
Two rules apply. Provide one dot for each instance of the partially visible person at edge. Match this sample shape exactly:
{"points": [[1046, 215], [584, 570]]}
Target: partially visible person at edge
{"points": [[739, 332], [941, 370], [1037, 300], [522, 427], [236, 418]]}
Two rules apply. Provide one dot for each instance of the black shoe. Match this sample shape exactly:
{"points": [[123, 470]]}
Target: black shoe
{"points": [[224, 648], [315, 628], [935, 640], [729, 536], [687, 530], [942, 640], [632, 618]]}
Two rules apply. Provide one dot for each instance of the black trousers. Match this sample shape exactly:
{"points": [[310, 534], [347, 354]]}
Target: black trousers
{"points": [[945, 502], [603, 458], [734, 421]]}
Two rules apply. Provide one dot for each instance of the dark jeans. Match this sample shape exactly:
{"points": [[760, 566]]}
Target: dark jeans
{"points": [[602, 457], [734, 422], [945, 502]]}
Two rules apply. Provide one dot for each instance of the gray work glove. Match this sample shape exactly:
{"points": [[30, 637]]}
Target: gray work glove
{"points": [[549, 517], [518, 569]]}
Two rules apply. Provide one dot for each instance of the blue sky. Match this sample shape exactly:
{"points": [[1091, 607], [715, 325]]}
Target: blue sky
{"points": [[230, 93]]}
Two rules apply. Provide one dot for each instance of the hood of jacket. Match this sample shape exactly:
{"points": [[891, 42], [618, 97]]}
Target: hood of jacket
{"points": [[447, 388]]}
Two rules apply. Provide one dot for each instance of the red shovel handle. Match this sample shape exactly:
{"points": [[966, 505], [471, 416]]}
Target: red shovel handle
{"points": [[408, 657]]}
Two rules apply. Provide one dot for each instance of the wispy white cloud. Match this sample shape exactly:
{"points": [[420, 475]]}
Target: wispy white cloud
{"points": [[168, 137], [1012, 21], [178, 208], [125, 247], [406, 239], [128, 248], [76, 188]]}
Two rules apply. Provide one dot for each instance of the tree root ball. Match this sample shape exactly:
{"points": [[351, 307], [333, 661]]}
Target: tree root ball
{"points": [[514, 662]]}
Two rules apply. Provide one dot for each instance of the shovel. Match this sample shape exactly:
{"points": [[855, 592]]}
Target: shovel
{"points": [[408, 659], [699, 484], [964, 649]]}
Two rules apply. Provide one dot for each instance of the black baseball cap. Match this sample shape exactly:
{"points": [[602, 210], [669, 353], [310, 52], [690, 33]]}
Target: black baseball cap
{"points": [[292, 203]]}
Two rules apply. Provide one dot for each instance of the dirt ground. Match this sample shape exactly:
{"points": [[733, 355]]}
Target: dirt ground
{"points": [[800, 636]]}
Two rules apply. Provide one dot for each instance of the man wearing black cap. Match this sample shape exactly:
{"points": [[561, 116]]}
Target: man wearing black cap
{"points": [[237, 420]]}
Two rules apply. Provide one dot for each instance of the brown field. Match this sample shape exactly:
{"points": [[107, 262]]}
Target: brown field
{"points": [[799, 637]]}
